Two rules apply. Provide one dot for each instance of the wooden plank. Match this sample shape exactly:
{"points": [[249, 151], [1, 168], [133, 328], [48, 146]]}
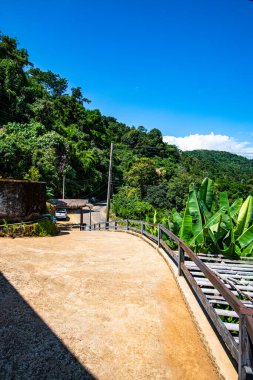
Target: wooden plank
{"points": [[227, 268], [226, 313], [220, 327], [217, 302], [245, 362], [242, 278], [222, 260], [215, 291], [208, 283], [180, 260], [210, 291], [224, 265], [232, 326], [223, 272]]}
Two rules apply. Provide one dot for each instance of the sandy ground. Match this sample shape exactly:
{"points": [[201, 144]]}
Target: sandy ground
{"points": [[94, 305]]}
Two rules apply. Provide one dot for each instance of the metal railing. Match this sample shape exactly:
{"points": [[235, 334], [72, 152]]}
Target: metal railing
{"points": [[242, 352]]}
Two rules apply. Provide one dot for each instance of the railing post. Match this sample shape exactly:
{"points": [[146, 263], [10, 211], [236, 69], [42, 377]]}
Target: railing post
{"points": [[180, 259], [127, 225], [90, 227], [81, 217], [99, 226], [245, 362], [142, 227], [116, 226], [159, 236]]}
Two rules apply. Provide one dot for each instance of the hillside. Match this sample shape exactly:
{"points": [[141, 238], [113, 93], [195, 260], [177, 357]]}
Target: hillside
{"points": [[46, 132], [230, 171]]}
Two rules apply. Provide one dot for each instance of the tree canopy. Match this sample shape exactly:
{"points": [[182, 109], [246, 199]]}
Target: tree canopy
{"points": [[46, 131]]}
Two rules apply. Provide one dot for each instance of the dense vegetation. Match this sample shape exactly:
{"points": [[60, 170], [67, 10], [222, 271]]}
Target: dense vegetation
{"points": [[44, 227], [46, 131]]}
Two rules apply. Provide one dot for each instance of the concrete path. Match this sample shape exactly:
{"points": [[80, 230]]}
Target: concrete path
{"points": [[97, 215], [94, 305]]}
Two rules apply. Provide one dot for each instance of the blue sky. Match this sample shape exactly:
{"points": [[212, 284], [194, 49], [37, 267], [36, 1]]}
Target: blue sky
{"points": [[182, 66]]}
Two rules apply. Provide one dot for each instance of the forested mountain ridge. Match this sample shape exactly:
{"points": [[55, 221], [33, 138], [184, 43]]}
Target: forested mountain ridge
{"points": [[46, 131], [220, 166]]}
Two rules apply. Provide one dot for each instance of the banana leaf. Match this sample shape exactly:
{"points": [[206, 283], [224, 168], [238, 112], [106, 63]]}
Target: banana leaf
{"points": [[206, 215], [214, 247], [224, 203], [230, 251], [245, 216], [177, 217], [197, 227], [248, 251], [235, 208], [246, 238], [216, 218], [186, 227], [206, 193]]}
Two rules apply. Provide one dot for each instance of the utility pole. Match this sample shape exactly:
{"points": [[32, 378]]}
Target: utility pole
{"points": [[109, 186], [63, 186]]}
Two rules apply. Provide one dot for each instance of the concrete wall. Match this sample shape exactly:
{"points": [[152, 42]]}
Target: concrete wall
{"points": [[20, 199]]}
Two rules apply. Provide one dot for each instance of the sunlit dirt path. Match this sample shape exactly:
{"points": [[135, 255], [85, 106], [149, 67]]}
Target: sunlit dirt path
{"points": [[100, 305]]}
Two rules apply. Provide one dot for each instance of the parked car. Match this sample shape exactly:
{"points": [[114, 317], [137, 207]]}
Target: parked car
{"points": [[61, 213]]}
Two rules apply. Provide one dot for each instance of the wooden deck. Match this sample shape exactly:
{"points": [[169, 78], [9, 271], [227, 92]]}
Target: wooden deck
{"points": [[237, 275]]}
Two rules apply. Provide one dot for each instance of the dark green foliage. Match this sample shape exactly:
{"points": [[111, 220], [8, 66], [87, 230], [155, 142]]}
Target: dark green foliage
{"points": [[142, 174], [46, 132], [157, 196], [230, 172], [128, 205]]}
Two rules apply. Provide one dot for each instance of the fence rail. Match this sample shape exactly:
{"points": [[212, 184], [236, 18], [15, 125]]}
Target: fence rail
{"points": [[242, 350]]}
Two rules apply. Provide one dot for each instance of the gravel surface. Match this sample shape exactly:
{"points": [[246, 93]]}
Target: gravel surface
{"points": [[93, 305]]}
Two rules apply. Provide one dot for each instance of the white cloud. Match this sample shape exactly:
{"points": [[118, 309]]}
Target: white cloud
{"points": [[212, 141]]}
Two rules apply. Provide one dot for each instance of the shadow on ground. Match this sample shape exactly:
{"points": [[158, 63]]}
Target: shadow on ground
{"points": [[29, 349]]}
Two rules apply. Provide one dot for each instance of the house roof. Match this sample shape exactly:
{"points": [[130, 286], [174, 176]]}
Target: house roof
{"points": [[69, 203]]}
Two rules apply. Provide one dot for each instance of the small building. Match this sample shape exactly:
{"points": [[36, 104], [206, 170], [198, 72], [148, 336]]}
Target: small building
{"points": [[72, 204], [21, 199]]}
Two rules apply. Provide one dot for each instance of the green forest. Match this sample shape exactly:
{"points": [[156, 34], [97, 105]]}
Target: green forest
{"points": [[47, 131]]}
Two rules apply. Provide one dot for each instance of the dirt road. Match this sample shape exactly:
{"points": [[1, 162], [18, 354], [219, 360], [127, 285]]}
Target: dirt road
{"points": [[94, 305]]}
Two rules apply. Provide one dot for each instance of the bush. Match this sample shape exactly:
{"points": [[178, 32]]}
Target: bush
{"points": [[44, 227]]}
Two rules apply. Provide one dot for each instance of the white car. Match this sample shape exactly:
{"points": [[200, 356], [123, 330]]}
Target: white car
{"points": [[61, 213]]}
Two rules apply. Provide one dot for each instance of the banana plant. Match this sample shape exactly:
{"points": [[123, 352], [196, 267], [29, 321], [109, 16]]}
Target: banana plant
{"points": [[228, 230], [197, 213]]}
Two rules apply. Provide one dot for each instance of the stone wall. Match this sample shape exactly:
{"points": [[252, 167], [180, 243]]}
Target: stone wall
{"points": [[20, 199]]}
